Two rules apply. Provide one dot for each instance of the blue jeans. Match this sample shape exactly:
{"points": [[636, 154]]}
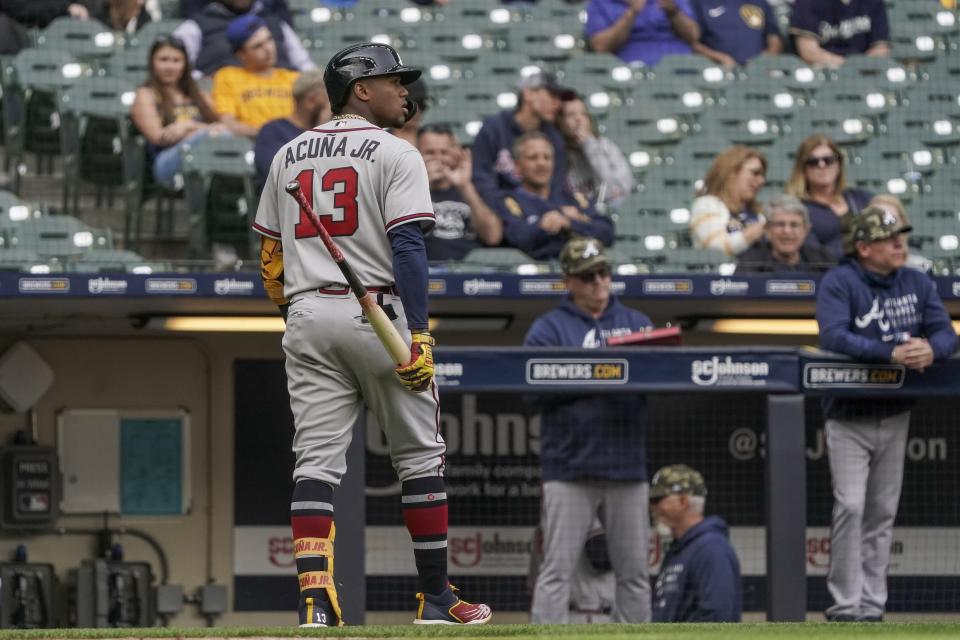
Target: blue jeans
{"points": [[167, 163]]}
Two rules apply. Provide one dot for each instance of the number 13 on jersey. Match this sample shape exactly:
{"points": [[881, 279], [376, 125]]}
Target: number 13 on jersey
{"points": [[343, 220]]}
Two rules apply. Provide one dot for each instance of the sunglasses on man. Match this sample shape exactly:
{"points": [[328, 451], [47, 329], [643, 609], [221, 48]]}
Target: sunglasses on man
{"points": [[589, 276]]}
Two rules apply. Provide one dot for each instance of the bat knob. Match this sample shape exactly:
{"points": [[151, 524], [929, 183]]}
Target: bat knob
{"points": [[292, 187]]}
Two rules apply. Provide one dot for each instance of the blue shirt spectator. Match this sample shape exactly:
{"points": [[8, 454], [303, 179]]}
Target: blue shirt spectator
{"points": [[734, 31], [538, 221], [640, 30], [311, 108], [494, 172], [826, 32]]}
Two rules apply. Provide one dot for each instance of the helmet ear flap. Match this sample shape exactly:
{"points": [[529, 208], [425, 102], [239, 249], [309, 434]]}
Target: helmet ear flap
{"points": [[412, 108]]}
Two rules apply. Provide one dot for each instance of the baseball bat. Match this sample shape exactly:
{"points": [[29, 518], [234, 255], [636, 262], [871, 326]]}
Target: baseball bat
{"points": [[396, 347]]}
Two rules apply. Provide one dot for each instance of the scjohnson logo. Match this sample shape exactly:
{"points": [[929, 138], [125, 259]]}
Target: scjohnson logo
{"points": [[470, 550], [728, 372]]}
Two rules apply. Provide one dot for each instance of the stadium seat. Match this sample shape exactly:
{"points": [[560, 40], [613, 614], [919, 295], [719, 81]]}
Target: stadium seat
{"points": [[92, 113], [34, 79], [912, 44], [86, 40], [885, 74], [12, 208], [60, 237], [759, 97], [787, 71], [855, 98], [132, 64], [698, 71], [603, 68], [152, 31], [218, 187], [107, 261], [139, 187], [695, 154], [844, 129], [547, 42], [500, 259], [920, 124]]}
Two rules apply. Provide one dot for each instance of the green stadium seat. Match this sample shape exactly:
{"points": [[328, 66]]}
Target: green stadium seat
{"points": [[695, 154], [697, 71], [912, 44], [841, 128], [139, 187], [8, 201], [106, 261], [218, 187], [132, 64], [548, 42], [92, 113], [787, 71], [882, 73], [919, 124], [34, 79], [856, 98], [501, 259], [86, 40], [760, 97], [603, 68], [59, 237], [151, 32]]}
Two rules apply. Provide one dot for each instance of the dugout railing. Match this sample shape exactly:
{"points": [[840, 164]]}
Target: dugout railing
{"points": [[768, 391]]}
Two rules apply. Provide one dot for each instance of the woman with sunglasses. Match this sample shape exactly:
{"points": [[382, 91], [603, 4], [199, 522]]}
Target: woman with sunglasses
{"points": [[170, 110], [819, 179], [727, 214]]}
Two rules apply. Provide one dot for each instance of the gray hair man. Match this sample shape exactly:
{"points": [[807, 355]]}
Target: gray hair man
{"points": [[787, 246]]}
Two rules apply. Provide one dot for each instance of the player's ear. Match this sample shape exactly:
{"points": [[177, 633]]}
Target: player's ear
{"points": [[361, 91]]}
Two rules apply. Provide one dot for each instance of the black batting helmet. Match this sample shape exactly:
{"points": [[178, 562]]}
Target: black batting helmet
{"points": [[366, 60]]}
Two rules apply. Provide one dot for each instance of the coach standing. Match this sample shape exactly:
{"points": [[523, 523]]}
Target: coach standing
{"points": [[874, 310], [592, 450]]}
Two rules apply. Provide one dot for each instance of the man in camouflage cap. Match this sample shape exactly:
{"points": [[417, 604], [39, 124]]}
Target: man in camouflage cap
{"points": [[699, 580], [872, 309], [870, 225], [593, 450]]}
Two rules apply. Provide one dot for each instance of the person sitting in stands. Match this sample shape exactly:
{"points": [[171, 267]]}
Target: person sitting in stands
{"points": [[248, 97], [784, 250], [209, 45], [539, 221], [170, 110]]}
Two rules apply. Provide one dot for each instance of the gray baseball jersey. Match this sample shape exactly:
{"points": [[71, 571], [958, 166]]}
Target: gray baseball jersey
{"points": [[363, 181]]}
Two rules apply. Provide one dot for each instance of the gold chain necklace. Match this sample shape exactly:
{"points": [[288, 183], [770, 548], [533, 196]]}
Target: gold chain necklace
{"points": [[348, 116]]}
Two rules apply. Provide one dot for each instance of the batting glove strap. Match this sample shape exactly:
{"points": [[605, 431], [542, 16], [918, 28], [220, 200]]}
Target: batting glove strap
{"points": [[418, 372]]}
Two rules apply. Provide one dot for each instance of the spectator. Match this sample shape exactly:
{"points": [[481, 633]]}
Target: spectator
{"points": [[640, 30], [13, 37], [416, 91], [732, 32], [537, 219], [596, 167], [170, 110], [592, 449], [464, 221], [873, 310], [727, 216], [210, 47], [699, 579], [126, 16], [190, 8], [36, 14], [248, 97], [827, 32], [784, 251], [819, 178], [538, 102], [892, 203], [311, 107]]}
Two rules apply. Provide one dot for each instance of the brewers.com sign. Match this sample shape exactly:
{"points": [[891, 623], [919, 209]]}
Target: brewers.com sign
{"points": [[853, 376], [577, 371]]}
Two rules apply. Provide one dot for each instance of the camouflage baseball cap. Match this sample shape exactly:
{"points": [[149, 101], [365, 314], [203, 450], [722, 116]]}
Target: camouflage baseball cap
{"points": [[582, 254], [870, 225], [677, 478]]}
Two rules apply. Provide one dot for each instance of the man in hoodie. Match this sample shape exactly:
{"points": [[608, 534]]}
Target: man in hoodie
{"points": [[874, 310], [538, 103], [210, 47], [592, 449], [699, 579]]}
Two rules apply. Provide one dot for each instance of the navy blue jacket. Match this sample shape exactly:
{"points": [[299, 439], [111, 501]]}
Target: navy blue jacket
{"points": [[596, 436], [865, 315], [494, 173], [271, 137], [521, 212], [699, 580]]}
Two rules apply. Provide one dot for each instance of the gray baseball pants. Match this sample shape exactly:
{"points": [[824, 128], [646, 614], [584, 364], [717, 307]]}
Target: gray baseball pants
{"points": [[569, 509], [866, 468]]}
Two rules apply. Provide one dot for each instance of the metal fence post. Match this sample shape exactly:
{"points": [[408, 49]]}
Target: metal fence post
{"points": [[786, 507]]}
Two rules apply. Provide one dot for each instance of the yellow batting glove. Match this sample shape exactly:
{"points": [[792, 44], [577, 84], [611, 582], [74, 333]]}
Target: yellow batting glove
{"points": [[418, 372]]}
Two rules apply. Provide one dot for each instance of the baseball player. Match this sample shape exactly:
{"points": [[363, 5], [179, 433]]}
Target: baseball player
{"points": [[370, 190], [872, 309]]}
